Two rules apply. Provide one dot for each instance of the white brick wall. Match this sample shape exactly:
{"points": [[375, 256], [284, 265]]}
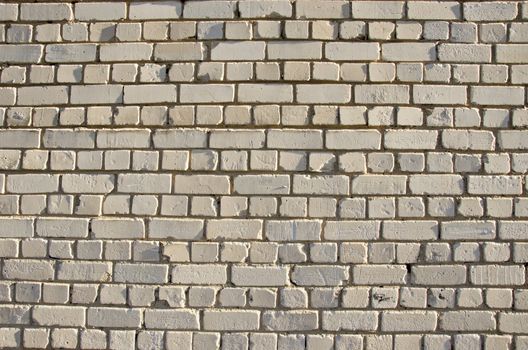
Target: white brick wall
{"points": [[264, 175]]}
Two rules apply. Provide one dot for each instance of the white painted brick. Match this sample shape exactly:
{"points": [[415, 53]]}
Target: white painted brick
{"points": [[493, 11], [410, 230], [497, 95], [410, 139], [237, 320], [207, 93], [45, 12], [322, 9], [353, 139], [381, 94], [410, 52], [472, 230], [434, 10], [151, 93], [294, 50], [495, 185], [139, 10], [259, 276], [62, 53], [238, 51], [181, 51], [212, 9], [199, 274], [100, 11], [464, 53], [265, 8], [21, 53], [270, 93], [125, 52], [439, 94], [339, 51], [324, 93]]}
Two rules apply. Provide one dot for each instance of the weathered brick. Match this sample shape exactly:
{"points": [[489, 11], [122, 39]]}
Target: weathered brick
{"points": [[290, 320], [231, 320], [199, 274], [259, 276], [381, 94]]}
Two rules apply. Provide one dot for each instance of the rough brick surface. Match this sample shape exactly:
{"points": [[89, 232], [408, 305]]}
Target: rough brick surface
{"points": [[264, 174]]}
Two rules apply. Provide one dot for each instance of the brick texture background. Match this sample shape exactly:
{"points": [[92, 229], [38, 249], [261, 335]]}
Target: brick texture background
{"points": [[264, 175]]}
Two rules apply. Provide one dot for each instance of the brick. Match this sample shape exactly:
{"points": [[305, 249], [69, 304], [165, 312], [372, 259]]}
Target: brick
{"points": [[108, 317], [68, 138], [123, 138], [350, 320], [207, 93], [512, 230], [472, 139], [20, 53], [408, 321], [141, 273], [144, 183], [32, 183], [376, 10], [199, 274], [258, 276], [494, 11], [100, 11], [265, 9], [269, 93], [42, 95], [180, 229], [324, 184], [319, 275], [323, 93], [262, 184], [233, 229], [238, 51], [231, 320], [352, 230], [294, 50], [9, 12], [353, 139], [117, 228], [495, 185], [436, 184], [181, 138], [381, 94], [303, 230], [84, 271], [464, 53], [339, 51], [125, 52], [511, 53], [201, 184], [497, 275], [45, 12], [251, 139], [408, 52], [439, 94], [468, 321], [212, 9], [61, 227], [172, 319], [69, 53], [513, 139], [497, 95], [158, 93], [141, 10], [28, 138], [295, 139], [434, 10], [96, 94], [379, 184], [410, 139], [179, 51], [16, 227], [290, 320], [87, 183], [438, 275], [322, 9], [28, 270], [65, 316], [513, 322], [476, 230], [410, 230]]}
